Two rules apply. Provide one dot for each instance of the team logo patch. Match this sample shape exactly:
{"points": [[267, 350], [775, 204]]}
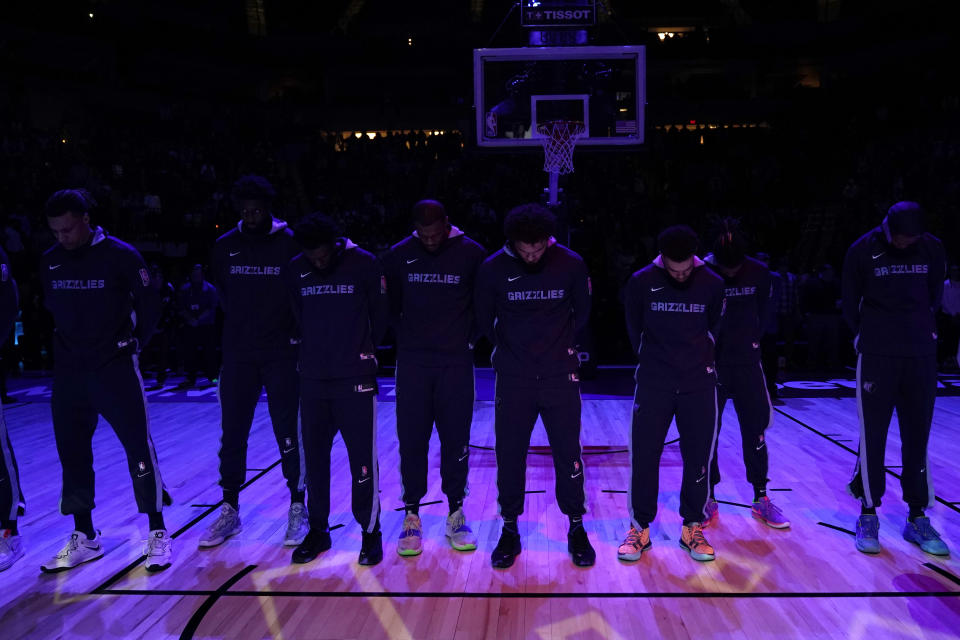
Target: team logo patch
{"points": [[4, 273], [145, 277], [869, 387]]}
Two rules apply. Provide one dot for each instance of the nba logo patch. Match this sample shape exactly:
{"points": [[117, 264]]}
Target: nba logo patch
{"points": [[4, 273], [145, 277], [363, 471], [383, 284], [143, 467], [576, 465], [589, 286]]}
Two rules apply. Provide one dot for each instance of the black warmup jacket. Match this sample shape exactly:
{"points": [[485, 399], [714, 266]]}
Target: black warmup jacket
{"points": [[258, 321], [748, 296], [343, 314], [890, 296], [101, 300], [533, 318], [431, 299], [673, 328]]}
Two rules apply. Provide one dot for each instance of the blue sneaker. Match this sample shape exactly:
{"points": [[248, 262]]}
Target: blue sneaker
{"points": [[921, 533], [868, 534]]}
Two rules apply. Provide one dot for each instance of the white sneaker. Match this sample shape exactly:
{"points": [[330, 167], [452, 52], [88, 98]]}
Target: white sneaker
{"points": [[461, 536], [226, 525], [159, 550], [78, 550], [11, 549], [297, 525]]}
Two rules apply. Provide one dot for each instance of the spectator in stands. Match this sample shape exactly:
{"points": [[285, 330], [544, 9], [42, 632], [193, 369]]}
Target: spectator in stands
{"points": [[820, 304], [197, 303]]}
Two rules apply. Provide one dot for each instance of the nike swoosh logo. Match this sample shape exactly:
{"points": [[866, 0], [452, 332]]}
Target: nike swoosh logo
{"points": [[700, 479], [576, 475], [879, 254], [54, 266], [362, 480], [412, 261], [143, 475], [462, 458], [762, 445], [304, 275], [288, 450], [234, 253], [652, 289], [514, 278]]}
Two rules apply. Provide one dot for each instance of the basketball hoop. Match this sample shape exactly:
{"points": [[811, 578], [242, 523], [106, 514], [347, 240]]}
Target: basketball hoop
{"points": [[559, 139]]}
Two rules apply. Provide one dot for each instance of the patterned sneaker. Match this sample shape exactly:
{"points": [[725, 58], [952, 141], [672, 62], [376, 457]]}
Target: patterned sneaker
{"points": [[411, 537], [11, 549], [159, 550], [460, 535], [691, 539], [297, 525], [78, 550], [713, 514], [769, 514], [226, 525], [634, 544], [868, 534], [920, 532]]}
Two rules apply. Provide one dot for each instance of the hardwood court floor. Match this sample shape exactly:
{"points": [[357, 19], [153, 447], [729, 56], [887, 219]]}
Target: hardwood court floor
{"points": [[806, 582]]}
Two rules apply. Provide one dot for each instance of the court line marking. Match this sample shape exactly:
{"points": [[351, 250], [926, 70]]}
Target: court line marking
{"points": [[513, 595], [950, 505], [133, 565], [204, 608]]}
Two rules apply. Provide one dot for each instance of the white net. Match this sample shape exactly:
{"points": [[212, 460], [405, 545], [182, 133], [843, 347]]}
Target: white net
{"points": [[559, 139]]}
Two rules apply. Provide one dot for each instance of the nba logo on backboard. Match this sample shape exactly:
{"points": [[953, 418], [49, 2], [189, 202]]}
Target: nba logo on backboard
{"points": [[145, 277], [490, 125]]}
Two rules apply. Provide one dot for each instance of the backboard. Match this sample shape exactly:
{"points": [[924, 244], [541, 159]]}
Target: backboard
{"points": [[516, 89]]}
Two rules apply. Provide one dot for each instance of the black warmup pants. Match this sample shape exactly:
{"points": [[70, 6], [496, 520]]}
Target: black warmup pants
{"points": [[428, 395], [745, 385], [10, 493], [329, 407], [518, 403], [115, 391], [239, 392], [696, 416], [910, 386]]}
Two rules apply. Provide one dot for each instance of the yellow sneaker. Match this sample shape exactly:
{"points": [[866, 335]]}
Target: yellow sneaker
{"points": [[691, 539], [634, 544]]}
